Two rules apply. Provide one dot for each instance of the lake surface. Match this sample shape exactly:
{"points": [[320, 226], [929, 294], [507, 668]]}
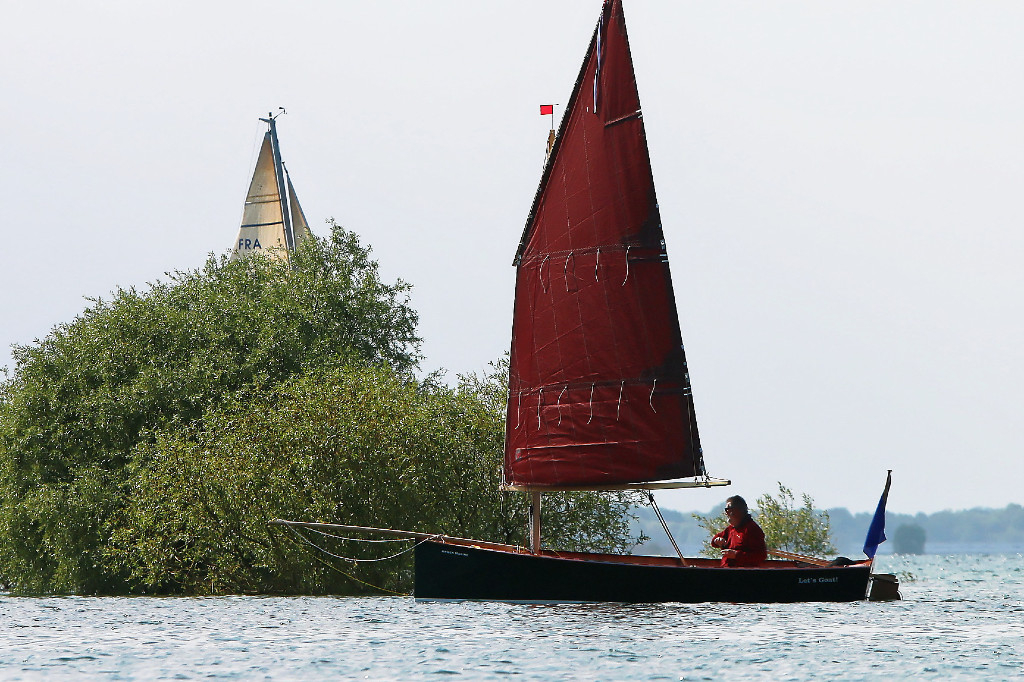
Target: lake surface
{"points": [[962, 617]]}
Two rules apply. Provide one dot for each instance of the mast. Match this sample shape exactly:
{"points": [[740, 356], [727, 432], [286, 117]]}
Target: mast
{"points": [[289, 237], [535, 521]]}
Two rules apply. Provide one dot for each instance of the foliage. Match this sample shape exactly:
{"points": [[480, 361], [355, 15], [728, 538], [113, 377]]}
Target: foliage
{"points": [[145, 445], [79, 402], [977, 530], [712, 524], [994, 526], [358, 446], [802, 530], [949, 532]]}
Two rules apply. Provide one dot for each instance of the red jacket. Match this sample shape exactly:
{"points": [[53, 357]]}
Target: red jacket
{"points": [[748, 541]]}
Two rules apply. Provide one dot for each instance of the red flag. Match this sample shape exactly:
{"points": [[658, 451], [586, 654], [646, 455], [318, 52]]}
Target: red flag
{"points": [[547, 109]]}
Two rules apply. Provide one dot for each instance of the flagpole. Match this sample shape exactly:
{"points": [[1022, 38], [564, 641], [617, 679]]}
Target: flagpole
{"points": [[549, 110]]}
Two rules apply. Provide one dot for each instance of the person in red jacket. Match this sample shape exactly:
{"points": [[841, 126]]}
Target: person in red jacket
{"points": [[742, 542]]}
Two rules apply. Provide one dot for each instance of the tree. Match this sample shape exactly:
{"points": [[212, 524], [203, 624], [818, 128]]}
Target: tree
{"points": [[802, 530], [82, 400], [145, 445], [909, 539], [357, 445]]}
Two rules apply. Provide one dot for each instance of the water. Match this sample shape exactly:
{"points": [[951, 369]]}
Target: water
{"points": [[962, 617]]}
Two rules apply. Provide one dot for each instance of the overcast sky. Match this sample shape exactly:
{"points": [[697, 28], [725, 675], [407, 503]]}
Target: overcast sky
{"points": [[840, 185]]}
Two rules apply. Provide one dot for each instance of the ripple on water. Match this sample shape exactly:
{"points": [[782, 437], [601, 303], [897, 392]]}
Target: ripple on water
{"points": [[961, 618]]}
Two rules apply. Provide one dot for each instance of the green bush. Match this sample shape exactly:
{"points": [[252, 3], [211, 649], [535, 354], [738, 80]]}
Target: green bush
{"points": [[145, 445], [802, 530], [80, 401], [358, 446]]}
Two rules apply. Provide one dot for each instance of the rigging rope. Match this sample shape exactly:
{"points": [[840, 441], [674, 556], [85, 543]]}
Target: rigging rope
{"points": [[359, 561], [338, 570], [342, 537]]}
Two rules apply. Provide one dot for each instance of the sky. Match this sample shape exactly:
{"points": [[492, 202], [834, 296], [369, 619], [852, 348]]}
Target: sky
{"points": [[839, 184]]}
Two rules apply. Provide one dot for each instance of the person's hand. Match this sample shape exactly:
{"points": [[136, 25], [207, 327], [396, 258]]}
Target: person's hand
{"points": [[717, 542], [729, 552]]}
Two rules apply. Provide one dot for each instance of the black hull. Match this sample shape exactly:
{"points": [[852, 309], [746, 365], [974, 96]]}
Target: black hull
{"points": [[456, 571]]}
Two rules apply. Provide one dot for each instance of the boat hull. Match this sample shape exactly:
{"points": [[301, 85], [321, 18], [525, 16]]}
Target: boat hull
{"points": [[464, 572]]}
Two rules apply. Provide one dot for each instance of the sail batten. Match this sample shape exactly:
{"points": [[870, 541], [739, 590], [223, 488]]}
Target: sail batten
{"points": [[599, 393], [276, 222]]}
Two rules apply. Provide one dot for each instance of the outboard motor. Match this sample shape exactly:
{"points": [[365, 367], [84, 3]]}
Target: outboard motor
{"points": [[884, 587]]}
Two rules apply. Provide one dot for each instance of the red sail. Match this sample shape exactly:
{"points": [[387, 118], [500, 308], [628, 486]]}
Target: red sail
{"points": [[599, 392]]}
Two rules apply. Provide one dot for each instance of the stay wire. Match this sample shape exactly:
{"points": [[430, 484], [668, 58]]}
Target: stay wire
{"points": [[664, 524]]}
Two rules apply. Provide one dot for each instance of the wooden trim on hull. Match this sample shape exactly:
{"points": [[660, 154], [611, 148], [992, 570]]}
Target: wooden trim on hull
{"points": [[458, 571]]}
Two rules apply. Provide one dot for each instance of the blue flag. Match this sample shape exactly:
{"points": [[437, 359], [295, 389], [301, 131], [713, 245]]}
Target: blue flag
{"points": [[876, 532]]}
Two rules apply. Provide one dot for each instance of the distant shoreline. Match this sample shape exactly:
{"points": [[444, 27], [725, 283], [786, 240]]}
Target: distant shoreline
{"points": [[970, 531]]}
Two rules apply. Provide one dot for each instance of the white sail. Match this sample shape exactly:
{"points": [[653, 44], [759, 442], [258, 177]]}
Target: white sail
{"points": [[300, 228], [262, 229]]}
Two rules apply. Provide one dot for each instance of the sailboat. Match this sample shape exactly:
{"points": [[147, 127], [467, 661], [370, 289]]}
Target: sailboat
{"points": [[272, 219], [599, 389]]}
